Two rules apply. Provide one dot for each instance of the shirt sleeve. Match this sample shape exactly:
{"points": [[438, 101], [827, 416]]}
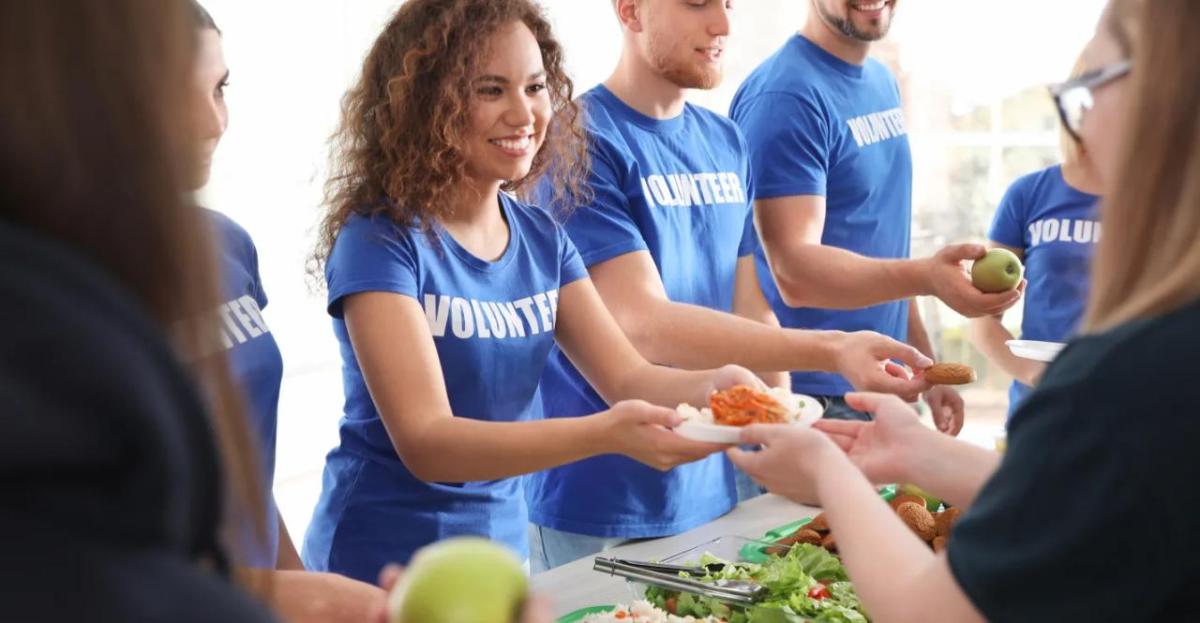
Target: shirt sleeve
{"points": [[571, 267], [370, 255], [260, 293], [1008, 225], [789, 139], [1071, 524], [749, 240], [604, 228]]}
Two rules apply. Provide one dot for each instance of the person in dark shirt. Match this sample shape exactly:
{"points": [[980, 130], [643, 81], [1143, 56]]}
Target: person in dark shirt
{"points": [[1090, 516], [113, 461]]}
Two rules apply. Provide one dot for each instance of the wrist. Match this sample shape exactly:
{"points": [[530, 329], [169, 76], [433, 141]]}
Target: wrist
{"points": [[920, 276], [817, 350], [919, 456], [598, 434]]}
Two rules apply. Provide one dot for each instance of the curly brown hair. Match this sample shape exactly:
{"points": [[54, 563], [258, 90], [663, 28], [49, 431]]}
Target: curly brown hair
{"points": [[400, 145]]}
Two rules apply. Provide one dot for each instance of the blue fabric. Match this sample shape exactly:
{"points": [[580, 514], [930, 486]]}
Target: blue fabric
{"points": [[679, 189], [255, 364], [493, 326], [817, 125], [1056, 226]]}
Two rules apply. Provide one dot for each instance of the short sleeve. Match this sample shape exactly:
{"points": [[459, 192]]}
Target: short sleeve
{"points": [[1062, 531], [571, 266], [260, 293], [370, 255], [1008, 225], [749, 241], [604, 228], [788, 138]]}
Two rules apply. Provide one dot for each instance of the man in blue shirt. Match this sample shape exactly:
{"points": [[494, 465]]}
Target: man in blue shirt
{"points": [[668, 239], [833, 197]]}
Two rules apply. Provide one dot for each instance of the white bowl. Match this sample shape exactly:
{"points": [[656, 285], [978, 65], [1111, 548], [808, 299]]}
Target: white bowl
{"points": [[1037, 351]]}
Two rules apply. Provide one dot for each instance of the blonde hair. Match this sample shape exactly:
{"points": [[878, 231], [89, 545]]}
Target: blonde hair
{"points": [[1148, 262]]}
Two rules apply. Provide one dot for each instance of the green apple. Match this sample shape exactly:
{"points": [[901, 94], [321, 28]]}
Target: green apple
{"points": [[932, 502], [998, 271], [460, 580]]}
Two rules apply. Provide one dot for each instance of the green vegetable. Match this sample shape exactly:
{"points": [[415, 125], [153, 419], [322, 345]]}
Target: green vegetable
{"points": [[788, 580]]}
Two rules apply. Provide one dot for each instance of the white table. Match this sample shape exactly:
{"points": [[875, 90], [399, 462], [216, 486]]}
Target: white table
{"points": [[576, 585]]}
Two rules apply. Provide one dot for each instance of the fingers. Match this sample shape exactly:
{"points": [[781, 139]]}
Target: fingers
{"points": [[536, 610], [910, 356], [845, 442], [758, 434], [745, 460], [868, 402], [881, 382], [965, 251], [389, 576], [840, 427], [655, 415]]}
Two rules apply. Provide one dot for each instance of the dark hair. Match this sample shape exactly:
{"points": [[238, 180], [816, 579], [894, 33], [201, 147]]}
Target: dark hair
{"points": [[399, 147], [202, 17], [92, 156]]}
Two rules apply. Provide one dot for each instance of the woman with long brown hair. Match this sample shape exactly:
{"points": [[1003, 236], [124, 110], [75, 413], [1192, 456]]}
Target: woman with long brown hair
{"points": [[256, 364], [447, 293], [1090, 515], [113, 470]]}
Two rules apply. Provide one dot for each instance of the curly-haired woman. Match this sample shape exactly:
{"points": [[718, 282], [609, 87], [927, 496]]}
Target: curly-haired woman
{"points": [[447, 293]]}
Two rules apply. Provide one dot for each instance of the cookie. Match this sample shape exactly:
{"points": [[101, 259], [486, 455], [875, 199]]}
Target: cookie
{"points": [[950, 374]]}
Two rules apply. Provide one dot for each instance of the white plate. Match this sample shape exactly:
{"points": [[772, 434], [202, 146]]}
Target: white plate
{"points": [[810, 411], [1037, 351]]}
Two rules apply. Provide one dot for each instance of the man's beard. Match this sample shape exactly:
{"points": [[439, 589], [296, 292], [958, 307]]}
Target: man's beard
{"points": [[683, 75], [847, 28]]}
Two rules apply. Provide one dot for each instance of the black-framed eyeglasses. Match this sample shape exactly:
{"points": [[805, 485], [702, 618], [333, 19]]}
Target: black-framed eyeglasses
{"points": [[1074, 98]]}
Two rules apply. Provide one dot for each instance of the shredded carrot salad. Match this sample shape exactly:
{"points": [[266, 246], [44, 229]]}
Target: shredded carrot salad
{"points": [[741, 405]]}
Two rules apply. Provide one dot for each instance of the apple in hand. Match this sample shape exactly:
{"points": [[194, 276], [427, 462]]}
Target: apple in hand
{"points": [[998, 271], [460, 580]]}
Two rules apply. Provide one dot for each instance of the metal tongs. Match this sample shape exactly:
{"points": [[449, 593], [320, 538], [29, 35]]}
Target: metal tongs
{"points": [[668, 576]]}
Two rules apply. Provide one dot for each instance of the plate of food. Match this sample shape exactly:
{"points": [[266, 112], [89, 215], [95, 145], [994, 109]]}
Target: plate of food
{"points": [[640, 611], [1035, 350], [731, 409]]}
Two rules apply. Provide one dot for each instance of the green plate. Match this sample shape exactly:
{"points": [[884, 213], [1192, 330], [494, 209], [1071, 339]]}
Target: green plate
{"points": [[577, 616], [756, 552]]}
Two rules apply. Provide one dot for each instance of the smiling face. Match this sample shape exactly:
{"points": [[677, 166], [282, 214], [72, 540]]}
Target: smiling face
{"points": [[210, 116], [684, 40], [861, 20], [510, 108]]}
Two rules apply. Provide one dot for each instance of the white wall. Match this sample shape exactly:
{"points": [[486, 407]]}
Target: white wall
{"points": [[291, 60]]}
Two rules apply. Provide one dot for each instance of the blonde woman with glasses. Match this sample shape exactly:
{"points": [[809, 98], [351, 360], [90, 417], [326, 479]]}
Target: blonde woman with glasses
{"points": [[1090, 516]]}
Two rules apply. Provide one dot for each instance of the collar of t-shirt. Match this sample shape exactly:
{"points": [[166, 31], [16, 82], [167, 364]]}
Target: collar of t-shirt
{"points": [[628, 113], [808, 48]]}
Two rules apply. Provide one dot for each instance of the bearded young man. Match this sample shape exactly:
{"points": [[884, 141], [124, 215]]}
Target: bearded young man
{"points": [[833, 196], [668, 237]]}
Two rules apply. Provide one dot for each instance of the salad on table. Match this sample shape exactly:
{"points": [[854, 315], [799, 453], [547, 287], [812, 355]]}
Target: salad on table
{"points": [[807, 583]]}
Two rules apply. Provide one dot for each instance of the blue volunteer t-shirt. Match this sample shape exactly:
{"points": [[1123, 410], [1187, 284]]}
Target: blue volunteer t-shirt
{"points": [[817, 125], [493, 326], [255, 364], [679, 189], [1056, 226]]}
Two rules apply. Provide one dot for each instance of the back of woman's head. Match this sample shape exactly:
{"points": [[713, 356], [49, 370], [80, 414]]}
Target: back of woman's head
{"points": [[1148, 261], [90, 144], [94, 155], [400, 146]]}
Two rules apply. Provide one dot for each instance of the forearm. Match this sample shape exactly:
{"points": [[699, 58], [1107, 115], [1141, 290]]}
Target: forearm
{"points": [[693, 337], [305, 596], [287, 559], [881, 554], [989, 335], [814, 275], [664, 386], [749, 303], [461, 449], [951, 469], [895, 574]]}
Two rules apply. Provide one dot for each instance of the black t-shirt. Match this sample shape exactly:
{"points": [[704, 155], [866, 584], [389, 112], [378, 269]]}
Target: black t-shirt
{"points": [[1094, 514]]}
